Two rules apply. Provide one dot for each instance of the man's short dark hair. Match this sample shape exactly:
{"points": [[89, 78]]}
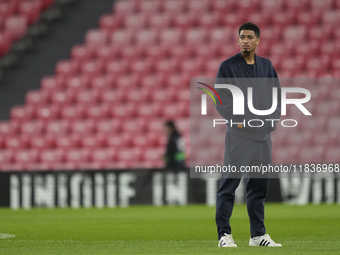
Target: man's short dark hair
{"points": [[250, 26]]}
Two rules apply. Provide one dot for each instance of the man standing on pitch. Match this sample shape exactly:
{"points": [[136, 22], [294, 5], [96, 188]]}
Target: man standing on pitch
{"points": [[247, 143]]}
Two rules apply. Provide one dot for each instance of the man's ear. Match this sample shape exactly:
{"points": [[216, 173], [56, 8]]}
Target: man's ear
{"points": [[258, 41]]}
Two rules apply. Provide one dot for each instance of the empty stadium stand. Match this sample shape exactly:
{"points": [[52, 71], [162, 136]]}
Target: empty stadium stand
{"points": [[105, 106]]}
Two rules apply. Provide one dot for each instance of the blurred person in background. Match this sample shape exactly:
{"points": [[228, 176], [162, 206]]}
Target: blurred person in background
{"points": [[174, 156]]}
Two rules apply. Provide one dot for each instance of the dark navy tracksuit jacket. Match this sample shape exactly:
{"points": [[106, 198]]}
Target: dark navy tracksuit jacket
{"points": [[237, 72]]}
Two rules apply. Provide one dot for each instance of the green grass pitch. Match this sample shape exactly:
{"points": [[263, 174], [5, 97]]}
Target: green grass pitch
{"points": [[166, 230]]}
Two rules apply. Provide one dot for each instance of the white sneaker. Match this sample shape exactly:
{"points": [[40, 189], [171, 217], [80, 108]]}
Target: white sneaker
{"points": [[227, 241], [263, 241]]}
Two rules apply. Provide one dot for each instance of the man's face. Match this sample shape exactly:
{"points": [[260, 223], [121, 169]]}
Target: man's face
{"points": [[248, 41]]}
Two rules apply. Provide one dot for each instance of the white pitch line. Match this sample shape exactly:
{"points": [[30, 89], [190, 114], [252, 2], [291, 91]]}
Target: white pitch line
{"points": [[3, 236]]}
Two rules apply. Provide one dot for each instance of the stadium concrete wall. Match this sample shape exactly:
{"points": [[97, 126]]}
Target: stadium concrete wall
{"points": [[150, 187]]}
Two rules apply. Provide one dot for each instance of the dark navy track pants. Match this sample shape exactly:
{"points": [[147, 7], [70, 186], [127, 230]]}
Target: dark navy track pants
{"points": [[240, 151]]}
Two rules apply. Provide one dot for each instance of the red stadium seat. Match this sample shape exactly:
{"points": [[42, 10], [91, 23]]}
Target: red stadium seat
{"points": [[68, 141], [271, 6], [182, 51], [82, 52], [309, 18], [330, 108], [321, 5], [110, 22], [94, 141], [32, 127], [124, 111], [107, 53], [87, 97], [57, 127], [234, 19], [285, 155], [140, 141], [221, 35], [293, 63], [117, 67], [30, 10], [104, 155], [92, 67], [156, 139], [42, 142], [37, 97], [153, 155], [284, 19], [63, 97], [108, 126], [334, 123], [261, 19], [122, 37], [125, 7], [174, 111], [312, 155], [103, 82], [47, 112], [16, 26], [77, 156], [318, 123], [112, 97], [295, 33], [95, 112], [7, 9], [159, 21], [149, 110], [199, 5], [248, 5], [335, 94], [120, 141], [72, 112], [52, 156], [174, 6], [144, 66], [136, 21], [308, 49], [135, 125], [82, 126], [76, 82], [126, 154], [332, 155], [9, 128], [152, 82], [196, 36], [96, 37], [171, 36], [22, 113], [169, 66], [52, 82], [321, 33], [150, 7], [6, 157], [299, 6], [326, 139], [26, 156], [158, 52], [146, 37]]}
